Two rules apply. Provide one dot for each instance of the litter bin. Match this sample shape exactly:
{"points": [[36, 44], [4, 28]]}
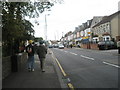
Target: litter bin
{"points": [[14, 63]]}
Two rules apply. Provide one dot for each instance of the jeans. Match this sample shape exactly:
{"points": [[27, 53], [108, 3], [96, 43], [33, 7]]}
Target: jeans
{"points": [[30, 62]]}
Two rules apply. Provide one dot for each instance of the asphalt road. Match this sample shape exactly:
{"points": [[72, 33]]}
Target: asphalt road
{"points": [[89, 68]]}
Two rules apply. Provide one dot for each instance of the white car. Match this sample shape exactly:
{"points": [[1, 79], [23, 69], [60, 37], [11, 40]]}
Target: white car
{"points": [[60, 46]]}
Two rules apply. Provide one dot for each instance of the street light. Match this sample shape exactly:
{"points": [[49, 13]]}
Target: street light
{"points": [[46, 26]]}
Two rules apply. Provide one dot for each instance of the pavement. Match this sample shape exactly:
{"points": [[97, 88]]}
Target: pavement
{"points": [[51, 78]]}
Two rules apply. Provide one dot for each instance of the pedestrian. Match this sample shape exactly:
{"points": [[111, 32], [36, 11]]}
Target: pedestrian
{"points": [[30, 50], [22, 48], [71, 45], [118, 46], [42, 51]]}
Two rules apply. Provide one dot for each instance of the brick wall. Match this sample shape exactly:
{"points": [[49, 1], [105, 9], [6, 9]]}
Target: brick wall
{"points": [[94, 46], [90, 46], [7, 64]]}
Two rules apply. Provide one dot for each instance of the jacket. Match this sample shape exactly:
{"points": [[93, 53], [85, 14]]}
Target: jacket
{"points": [[41, 51], [30, 50]]}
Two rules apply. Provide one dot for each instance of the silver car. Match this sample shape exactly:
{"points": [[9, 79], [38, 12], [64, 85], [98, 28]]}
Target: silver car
{"points": [[61, 46]]}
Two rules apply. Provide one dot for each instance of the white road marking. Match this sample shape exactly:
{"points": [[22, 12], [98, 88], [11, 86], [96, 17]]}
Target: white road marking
{"points": [[61, 50], [73, 53], [87, 57], [70, 52], [66, 51], [111, 64]]}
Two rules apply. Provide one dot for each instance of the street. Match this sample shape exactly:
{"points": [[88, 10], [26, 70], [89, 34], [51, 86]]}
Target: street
{"points": [[89, 68]]}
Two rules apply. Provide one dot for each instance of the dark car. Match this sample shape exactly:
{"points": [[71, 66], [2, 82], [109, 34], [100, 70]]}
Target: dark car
{"points": [[106, 45], [50, 46], [55, 45]]}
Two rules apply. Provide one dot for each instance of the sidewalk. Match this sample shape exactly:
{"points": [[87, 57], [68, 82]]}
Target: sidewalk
{"points": [[36, 79]]}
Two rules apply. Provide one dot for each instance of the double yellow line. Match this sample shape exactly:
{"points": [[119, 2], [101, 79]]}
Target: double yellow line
{"points": [[63, 72]]}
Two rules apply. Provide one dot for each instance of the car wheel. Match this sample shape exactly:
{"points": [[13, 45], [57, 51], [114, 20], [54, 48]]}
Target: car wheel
{"points": [[100, 48], [106, 47]]}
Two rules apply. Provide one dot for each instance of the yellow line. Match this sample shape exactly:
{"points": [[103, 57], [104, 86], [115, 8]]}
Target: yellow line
{"points": [[63, 72], [70, 86], [61, 67]]}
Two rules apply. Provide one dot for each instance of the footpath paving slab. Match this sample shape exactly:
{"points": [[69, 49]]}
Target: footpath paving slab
{"points": [[36, 79]]}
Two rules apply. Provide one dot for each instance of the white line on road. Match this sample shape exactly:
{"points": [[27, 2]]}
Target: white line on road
{"points": [[87, 57], [66, 51], [61, 50], [111, 64], [73, 53]]}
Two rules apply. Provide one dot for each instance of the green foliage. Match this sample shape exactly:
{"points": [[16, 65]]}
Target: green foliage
{"points": [[15, 28], [38, 39]]}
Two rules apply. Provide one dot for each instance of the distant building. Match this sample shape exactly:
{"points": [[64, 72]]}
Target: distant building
{"points": [[95, 21]]}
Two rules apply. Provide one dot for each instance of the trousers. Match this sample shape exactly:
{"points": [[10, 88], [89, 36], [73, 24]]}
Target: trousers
{"points": [[42, 63], [30, 62]]}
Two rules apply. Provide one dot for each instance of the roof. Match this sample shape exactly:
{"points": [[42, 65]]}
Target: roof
{"points": [[107, 19]]}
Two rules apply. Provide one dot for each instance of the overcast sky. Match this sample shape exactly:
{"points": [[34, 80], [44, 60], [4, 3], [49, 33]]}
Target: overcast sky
{"points": [[72, 13]]}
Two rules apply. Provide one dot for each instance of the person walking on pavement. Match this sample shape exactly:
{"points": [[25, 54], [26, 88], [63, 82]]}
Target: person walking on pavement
{"points": [[42, 51], [30, 51], [118, 46]]}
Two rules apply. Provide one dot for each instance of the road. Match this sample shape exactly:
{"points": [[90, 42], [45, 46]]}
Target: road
{"points": [[89, 68]]}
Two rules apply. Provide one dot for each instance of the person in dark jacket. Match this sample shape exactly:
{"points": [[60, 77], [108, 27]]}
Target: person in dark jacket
{"points": [[42, 51], [30, 51]]}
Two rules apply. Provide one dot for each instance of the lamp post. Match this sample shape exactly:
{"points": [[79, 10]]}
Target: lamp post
{"points": [[46, 26]]}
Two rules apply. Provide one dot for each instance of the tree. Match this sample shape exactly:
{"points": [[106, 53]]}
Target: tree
{"points": [[38, 39], [14, 26]]}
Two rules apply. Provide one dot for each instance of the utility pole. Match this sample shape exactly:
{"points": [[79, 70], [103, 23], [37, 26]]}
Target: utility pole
{"points": [[45, 27]]}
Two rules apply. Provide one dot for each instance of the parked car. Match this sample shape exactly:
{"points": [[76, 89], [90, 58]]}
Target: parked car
{"points": [[50, 46], [106, 45], [55, 45], [60, 46]]}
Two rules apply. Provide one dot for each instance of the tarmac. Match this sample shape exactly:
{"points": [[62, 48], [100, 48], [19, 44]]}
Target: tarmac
{"points": [[52, 78], [111, 52]]}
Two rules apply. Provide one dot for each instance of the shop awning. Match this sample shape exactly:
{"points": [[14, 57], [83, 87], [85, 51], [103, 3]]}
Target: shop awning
{"points": [[78, 39]]}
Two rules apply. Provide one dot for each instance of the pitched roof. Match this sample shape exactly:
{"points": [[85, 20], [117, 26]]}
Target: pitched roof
{"points": [[107, 19]]}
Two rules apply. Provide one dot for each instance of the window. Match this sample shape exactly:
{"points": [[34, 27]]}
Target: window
{"points": [[103, 29], [107, 38]]}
